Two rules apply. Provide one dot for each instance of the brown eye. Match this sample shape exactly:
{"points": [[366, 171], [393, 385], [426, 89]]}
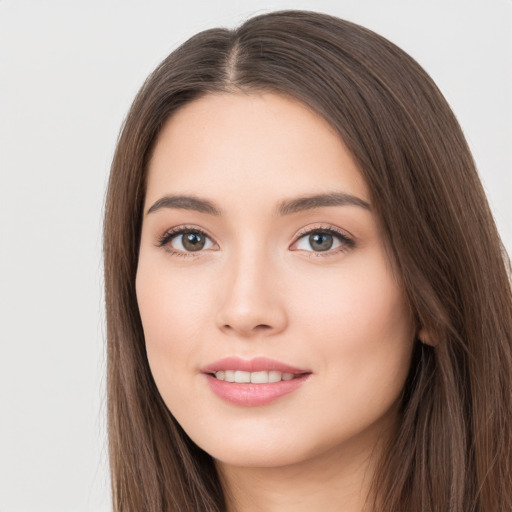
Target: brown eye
{"points": [[185, 241], [193, 241]]}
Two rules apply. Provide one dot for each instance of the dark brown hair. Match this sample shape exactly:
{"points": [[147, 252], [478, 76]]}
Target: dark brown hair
{"points": [[452, 451]]}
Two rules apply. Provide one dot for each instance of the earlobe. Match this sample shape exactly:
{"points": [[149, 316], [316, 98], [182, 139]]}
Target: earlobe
{"points": [[425, 338]]}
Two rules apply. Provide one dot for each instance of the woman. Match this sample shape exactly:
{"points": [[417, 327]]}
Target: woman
{"points": [[308, 304]]}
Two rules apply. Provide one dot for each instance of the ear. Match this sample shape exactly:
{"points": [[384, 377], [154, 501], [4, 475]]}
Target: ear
{"points": [[425, 337]]}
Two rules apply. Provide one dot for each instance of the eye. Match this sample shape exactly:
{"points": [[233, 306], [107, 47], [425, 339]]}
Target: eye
{"points": [[321, 240], [185, 240]]}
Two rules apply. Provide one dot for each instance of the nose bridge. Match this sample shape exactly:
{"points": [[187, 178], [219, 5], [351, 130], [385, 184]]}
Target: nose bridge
{"points": [[250, 300]]}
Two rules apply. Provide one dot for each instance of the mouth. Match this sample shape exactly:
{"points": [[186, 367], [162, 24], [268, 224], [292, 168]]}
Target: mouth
{"points": [[254, 382], [261, 377]]}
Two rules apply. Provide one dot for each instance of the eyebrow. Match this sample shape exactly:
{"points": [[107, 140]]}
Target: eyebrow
{"points": [[186, 203], [299, 204], [285, 207]]}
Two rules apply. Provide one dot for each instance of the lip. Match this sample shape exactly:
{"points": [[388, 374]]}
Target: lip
{"points": [[253, 395], [257, 364]]}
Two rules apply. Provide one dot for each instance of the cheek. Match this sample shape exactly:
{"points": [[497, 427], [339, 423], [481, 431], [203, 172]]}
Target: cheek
{"points": [[170, 302], [362, 326], [172, 312]]}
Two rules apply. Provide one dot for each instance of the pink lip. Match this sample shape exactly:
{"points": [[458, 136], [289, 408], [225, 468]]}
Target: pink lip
{"points": [[258, 364], [251, 395]]}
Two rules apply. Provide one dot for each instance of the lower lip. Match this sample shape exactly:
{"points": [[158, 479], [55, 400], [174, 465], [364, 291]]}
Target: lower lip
{"points": [[252, 395]]}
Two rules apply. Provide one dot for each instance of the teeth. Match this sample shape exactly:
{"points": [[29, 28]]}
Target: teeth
{"points": [[263, 377], [259, 377], [242, 377], [274, 376]]}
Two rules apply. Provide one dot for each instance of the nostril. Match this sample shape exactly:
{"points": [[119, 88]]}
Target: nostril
{"points": [[259, 327]]}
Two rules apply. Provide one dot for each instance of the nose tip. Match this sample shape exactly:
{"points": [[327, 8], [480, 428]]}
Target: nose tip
{"points": [[258, 320], [251, 304], [246, 326]]}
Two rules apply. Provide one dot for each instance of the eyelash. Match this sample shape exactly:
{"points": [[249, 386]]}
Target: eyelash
{"points": [[346, 242]]}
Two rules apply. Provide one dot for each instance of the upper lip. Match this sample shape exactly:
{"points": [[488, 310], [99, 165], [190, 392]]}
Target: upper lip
{"points": [[257, 364]]}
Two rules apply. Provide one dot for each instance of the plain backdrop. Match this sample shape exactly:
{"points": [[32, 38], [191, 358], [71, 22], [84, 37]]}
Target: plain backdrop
{"points": [[68, 72]]}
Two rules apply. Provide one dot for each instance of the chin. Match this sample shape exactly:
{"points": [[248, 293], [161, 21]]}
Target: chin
{"points": [[258, 457], [253, 451]]}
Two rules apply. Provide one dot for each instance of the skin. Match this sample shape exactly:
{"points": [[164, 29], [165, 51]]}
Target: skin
{"points": [[259, 287]]}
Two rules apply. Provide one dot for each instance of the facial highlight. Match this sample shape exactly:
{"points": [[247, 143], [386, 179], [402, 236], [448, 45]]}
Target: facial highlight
{"points": [[276, 330]]}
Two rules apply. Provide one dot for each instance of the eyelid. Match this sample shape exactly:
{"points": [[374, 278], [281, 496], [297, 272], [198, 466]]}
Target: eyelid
{"points": [[323, 227]]}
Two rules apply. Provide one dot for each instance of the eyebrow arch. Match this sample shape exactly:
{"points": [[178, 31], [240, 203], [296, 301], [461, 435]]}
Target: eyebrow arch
{"points": [[186, 203], [320, 200], [286, 207]]}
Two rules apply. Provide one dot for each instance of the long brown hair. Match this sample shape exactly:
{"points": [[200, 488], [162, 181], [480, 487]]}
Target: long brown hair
{"points": [[452, 451]]}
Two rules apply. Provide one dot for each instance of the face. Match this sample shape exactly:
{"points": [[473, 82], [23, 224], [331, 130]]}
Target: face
{"points": [[276, 329]]}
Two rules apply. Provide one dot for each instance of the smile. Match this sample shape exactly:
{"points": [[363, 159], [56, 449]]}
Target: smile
{"points": [[262, 377], [255, 382]]}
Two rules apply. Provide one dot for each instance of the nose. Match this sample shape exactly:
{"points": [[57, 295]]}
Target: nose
{"points": [[251, 301]]}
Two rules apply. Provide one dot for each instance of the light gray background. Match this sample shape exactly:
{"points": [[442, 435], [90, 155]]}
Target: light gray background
{"points": [[68, 72]]}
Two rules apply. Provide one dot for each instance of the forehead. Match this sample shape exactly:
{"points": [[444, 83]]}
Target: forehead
{"points": [[236, 144]]}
